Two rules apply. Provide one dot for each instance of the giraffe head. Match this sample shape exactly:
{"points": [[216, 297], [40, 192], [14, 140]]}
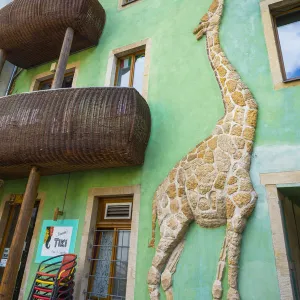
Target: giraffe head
{"points": [[211, 20]]}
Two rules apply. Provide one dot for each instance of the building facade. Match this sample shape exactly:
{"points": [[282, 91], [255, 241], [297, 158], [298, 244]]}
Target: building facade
{"points": [[149, 45]]}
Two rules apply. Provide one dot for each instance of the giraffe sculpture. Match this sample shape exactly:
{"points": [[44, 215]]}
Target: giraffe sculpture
{"points": [[211, 185]]}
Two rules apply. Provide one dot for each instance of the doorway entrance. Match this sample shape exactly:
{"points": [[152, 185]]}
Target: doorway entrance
{"points": [[8, 223], [290, 206]]}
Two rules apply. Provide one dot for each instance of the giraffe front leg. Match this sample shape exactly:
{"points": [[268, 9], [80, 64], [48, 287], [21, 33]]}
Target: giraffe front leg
{"points": [[235, 228]]}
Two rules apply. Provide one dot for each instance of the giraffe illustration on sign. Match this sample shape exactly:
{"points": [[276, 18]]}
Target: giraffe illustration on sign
{"points": [[212, 184]]}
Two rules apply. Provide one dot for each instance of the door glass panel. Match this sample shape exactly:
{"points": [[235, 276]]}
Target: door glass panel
{"points": [[121, 265], [139, 72], [124, 72], [104, 256]]}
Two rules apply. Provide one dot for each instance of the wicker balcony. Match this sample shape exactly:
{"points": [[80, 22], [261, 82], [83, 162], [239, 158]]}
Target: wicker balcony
{"points": [[32, 31], [68, 130]]}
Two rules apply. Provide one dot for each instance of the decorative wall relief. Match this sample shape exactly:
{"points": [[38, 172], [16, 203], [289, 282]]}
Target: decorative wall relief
{"points": [[211, 185]]}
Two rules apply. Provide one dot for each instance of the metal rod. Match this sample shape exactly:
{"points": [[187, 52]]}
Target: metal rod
{"points": [[63, 59], [2, 59], [11, 80], [16, 250]]}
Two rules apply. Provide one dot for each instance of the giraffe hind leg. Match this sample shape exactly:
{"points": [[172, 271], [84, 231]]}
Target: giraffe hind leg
{"points": [[165, 249], [217, 290], [166, 277]]}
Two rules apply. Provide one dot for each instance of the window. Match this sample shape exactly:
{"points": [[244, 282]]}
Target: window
{"points": [[290, 206], [288, 43], [108, 273], [130, 71], [46, 84], [280, 19], [4, 2], [125, 2]]}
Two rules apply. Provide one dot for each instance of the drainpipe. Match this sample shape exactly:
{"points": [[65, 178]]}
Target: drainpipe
{"points": [[12, 77], [2, 59], [15, 253]]}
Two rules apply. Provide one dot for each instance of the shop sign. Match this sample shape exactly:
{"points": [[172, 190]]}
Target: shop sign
{"points": [[56, 238]]}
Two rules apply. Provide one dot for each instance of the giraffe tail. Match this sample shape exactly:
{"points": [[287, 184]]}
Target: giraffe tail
{"points": [[154, 218]]}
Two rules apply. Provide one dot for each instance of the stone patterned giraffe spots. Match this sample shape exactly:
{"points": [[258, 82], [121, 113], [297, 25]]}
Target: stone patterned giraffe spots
{"points": [[236, 130], [192, 183], [232, 180], [164, 201], [172, 175], [240, 143], [223, 160], [249, 147], [242, 199], [174, 206], [230, 208], [237, 155], [172, 223], [204, 189], [221, 71], [239, 115], [238, 98], [248, 133], [171, 191], [251, 118], [203, 204], [225, 143], [212, 143], [213, 200], [220, 181], [232, 189]]}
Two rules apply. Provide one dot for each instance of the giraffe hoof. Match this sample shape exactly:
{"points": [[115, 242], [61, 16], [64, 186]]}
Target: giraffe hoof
{"points": [[233, 294], [154, 293], [217, 290], [169, 294]]}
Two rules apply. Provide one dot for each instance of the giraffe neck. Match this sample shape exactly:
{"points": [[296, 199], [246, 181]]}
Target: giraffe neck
{"points": [[235, 93]]}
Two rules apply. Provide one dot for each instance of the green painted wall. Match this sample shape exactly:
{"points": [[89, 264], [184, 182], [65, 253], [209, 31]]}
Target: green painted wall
{"points": [[185, 103]]}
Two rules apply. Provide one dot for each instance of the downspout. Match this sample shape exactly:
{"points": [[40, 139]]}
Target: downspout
{"points": [[11, 80], [2, 59]]}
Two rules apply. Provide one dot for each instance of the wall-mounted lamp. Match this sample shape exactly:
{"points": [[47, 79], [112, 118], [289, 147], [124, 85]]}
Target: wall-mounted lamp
{"points": [[57, 213]]}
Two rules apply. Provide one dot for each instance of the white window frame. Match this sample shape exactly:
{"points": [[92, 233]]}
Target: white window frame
{"points": [[273, 181], [273, 53], [50, 74], [127, 50], [81, 281]]}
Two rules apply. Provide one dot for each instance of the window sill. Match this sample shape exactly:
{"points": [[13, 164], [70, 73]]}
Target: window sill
{"points": [[122, 6], [291, 80], [126, 4]]}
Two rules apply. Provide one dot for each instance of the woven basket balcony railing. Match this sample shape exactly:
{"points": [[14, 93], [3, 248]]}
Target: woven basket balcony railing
{"points": [[32, 31], [68, 130]]}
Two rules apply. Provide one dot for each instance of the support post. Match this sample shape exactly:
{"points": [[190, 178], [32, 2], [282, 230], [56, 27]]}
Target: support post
{"points": [[63, 59], [15, 253], [2, 59]]}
